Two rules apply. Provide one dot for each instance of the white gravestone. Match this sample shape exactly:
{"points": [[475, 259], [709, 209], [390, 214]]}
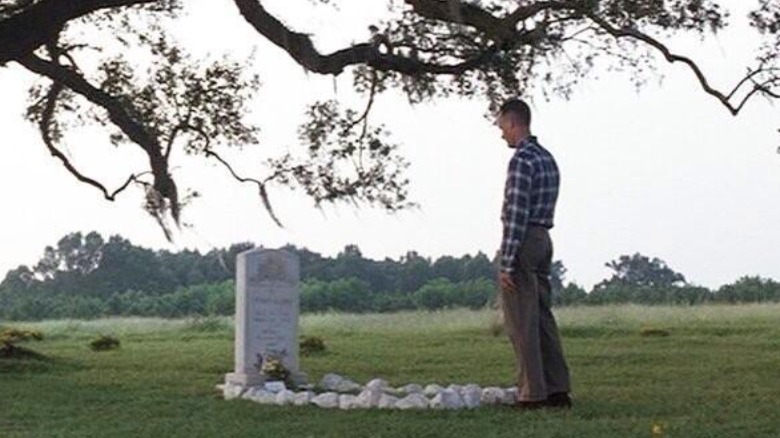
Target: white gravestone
{"points": [[267, 306]]}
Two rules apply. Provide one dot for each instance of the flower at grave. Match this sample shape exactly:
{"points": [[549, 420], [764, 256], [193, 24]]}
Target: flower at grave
{"points": [[657, 430], [274, 369]]}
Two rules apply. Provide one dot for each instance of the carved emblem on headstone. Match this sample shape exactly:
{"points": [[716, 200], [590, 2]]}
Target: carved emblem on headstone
{"points": [[272, 268]]}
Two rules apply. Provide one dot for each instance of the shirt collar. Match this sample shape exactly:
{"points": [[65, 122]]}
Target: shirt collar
{"points": [[528, 141]]}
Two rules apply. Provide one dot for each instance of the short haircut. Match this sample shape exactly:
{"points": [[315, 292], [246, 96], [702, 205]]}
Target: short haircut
{"points": [[518, 110]]}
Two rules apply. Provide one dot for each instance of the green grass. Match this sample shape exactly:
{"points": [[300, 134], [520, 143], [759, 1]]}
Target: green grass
{"points": [[715, 375]]}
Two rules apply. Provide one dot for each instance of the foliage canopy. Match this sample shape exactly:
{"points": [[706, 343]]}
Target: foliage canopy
{"points": [[165, 100]]}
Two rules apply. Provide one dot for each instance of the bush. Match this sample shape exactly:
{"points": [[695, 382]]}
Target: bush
{"points": [[104, 343], [649, 332], [312, 345], [10, 337]]}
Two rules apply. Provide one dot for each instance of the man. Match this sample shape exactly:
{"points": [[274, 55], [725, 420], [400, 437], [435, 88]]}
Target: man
{"points": [[526, 256]]}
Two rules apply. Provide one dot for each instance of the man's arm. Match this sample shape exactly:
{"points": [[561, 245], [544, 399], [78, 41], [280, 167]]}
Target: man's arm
{"points": [[517, 197]]}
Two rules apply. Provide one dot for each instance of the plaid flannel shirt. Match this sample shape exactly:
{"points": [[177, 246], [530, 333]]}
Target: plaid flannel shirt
{"points": [[529, 197]]}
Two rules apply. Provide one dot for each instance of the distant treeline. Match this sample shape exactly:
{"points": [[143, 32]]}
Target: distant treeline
{"points": [[84, 276], [88, 276]]}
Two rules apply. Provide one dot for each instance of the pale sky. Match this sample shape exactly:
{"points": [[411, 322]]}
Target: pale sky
{"points": [[665, 171]]}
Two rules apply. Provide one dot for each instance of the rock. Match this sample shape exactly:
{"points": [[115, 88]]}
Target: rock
{"points": [[347, 401], [285, 397], [334, 382], [275, 386], [456, 388], [411, 388], [432, 389], [232, 391], [260, 395], [330, 380], [369, 397], [306, 387], [510, 396], [395, 392], [472, 396], [377, 384], [413, 401], [447, 399], [493, 396], [348, 386], [387, 401], [249, 393], [327, 400], [470, 388], [302, 398]]}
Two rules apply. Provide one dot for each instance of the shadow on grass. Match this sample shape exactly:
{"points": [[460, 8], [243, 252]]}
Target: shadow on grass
{"points": [[16, 359], [592, 332], [25, 361]]}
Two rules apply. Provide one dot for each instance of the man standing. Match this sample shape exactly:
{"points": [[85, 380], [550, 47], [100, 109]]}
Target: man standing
{"points": [[526, 256]]}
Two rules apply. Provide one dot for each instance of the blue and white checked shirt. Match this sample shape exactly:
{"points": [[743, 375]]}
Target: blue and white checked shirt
{"points": [[529, 197]]}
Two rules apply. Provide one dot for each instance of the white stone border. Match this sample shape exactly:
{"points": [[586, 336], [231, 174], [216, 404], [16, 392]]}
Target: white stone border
{"points": [[342, 393]]}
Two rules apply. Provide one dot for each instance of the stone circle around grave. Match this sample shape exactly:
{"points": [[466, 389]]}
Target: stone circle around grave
{"points": [[337, 392]]}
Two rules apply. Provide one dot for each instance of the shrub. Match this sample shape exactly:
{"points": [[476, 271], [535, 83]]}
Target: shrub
{"points": [[104, 342], [312, 345], [653, 332], [10, 337]]}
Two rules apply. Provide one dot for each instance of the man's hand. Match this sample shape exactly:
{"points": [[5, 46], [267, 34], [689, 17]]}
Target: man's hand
{"points": [[506, 282]]}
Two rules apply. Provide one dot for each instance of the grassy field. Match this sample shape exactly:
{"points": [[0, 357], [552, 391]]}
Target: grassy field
{"points": [[717, 374]]}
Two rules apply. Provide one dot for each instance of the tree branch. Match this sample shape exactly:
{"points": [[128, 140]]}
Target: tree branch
{"points": [[497, 28], [672, 58], [120, 116], [260, 185], [44, 126], [302, 50], [27, 30]]}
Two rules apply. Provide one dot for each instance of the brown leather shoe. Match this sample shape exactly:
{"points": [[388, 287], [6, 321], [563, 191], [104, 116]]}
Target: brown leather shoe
{"points": [[560, 400]]}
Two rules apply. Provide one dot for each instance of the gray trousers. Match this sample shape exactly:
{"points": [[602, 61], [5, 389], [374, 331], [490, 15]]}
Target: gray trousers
{"points": [[530, 324]]}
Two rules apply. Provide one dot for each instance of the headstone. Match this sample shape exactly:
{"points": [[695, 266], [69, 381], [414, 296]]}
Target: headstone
{"points": [[267, 306]]}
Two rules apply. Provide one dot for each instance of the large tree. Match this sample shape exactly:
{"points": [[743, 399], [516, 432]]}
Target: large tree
{"points": [[641, 271], [161, 99]]}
